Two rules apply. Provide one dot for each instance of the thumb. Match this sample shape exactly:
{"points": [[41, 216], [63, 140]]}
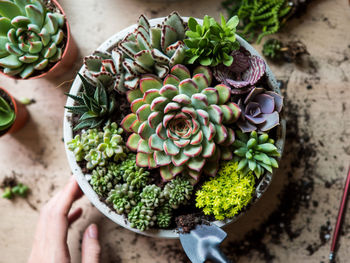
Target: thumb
{"points": [[91, 247]]}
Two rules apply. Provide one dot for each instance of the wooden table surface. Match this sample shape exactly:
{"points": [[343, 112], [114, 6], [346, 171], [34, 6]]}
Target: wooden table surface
{"points": [[309, 183]]}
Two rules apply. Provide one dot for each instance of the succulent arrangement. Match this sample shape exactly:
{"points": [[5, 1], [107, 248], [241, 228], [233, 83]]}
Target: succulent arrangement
{"points": [[175, 115], [32, 37]]}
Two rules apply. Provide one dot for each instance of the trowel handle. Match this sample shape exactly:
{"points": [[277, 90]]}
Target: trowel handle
{"points": [[217, 256]]}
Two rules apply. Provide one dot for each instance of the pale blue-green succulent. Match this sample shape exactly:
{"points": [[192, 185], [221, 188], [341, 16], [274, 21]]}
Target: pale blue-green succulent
{"points": [[31, 37]]}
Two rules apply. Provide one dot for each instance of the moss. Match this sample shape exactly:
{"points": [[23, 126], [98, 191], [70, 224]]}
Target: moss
{"points": [[225, 195]]}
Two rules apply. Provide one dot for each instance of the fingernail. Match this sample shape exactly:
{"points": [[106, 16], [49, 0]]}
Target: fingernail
{"points": [[93, 231]]}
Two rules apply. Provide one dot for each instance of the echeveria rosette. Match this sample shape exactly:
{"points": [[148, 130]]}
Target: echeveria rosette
{"points": [[260, 110], [255, 153], [211, 43], [244, 72], [146, 50], [31, 37], [7, 115], [180, 124]]}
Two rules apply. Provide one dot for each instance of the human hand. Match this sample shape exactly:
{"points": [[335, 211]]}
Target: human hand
{"points": [[50, 241]]}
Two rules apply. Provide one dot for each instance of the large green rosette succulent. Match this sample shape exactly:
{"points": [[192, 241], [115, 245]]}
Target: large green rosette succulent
{"points": [[31, 37], [180, 124], [145, 50]]}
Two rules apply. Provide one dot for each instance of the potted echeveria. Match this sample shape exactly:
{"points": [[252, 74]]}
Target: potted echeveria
{"points": [[35, 39], [13, 114], [174, 116]]}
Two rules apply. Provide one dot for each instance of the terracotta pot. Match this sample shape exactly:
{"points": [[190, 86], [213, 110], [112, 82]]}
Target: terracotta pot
{"points": [[83, 179], [69, 56], [21, 113]]}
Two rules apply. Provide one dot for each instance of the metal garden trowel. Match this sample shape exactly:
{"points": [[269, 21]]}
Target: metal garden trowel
{"points": [[202, 244]]}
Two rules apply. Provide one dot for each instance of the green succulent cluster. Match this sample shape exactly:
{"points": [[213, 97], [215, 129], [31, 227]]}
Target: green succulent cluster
{"points": [[7, 115], [225, 195], [17, 190], [98, 147], [164, 216], [123, 197], [31, 37], [262, 17], [127, 189], [94, 105], [255, 153], [181, 124], [211, 43], [272, 48], [178, 191], [103, 179], [146, 50]]}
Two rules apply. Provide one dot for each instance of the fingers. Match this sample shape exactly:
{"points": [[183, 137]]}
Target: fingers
{"points": [[65, 198], [91, 247], [73, 216]]}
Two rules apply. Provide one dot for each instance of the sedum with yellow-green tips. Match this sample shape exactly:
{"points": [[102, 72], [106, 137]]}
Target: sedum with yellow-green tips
{"points": [[31, 37]]}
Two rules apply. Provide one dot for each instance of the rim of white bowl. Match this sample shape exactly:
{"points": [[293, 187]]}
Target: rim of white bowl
{"points": [[82, 179]]}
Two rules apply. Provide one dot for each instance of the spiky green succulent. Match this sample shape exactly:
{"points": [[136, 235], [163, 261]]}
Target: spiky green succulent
{"points": [[94, 105], [146, 50], [97, 147], [180, 124], [164, 215], [7, 115], [123, 197], [152, 196], [31, 37], [211, 43], [178, 192], [141, 217], [255, 153], [104, 179], [225, 195]]}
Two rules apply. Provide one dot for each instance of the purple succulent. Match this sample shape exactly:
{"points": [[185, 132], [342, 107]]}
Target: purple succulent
{"points": [[260, 110], [245, 71]]}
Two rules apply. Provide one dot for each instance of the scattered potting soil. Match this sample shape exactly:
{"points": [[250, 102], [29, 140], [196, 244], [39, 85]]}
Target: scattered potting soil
{"points": [[185, 223], [9, 181]]}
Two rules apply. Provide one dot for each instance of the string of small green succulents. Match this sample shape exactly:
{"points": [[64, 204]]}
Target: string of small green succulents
{"points": [[177, 122], [259, 18]]}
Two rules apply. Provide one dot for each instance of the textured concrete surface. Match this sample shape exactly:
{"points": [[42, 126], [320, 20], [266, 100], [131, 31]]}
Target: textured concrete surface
{"points": [[316, 159]]}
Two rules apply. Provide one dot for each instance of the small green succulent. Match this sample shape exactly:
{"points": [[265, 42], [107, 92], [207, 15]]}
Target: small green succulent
{"points": [[141, 217], [104, 179], [164, 216], [225, 195], [272, 48], [178, 192], [152, 196], [255, 153], [7, 115], [17, 190], [97, 147], [181, 124], [211, 43], [123, 197], [31, 37], [94, 107], [132, 174]]}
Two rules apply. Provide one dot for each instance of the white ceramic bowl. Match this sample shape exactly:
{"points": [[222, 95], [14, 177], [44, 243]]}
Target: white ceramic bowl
{"points": [[82, 179]]}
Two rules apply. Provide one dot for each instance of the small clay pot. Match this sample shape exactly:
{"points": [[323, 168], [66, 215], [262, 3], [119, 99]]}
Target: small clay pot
{"points": [[21, 113], [69, 56]]}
